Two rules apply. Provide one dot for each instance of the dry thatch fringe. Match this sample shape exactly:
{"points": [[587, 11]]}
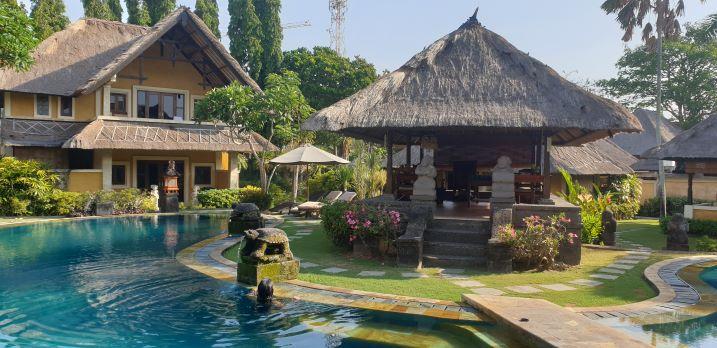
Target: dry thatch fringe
{"points": [[473, 78], [698, 142], [637, 143], [600, 157]]}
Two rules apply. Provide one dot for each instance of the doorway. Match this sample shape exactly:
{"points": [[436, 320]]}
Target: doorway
{"points": [[151, 172]]}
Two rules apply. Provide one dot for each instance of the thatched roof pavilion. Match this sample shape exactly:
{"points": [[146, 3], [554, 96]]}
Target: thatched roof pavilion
{"points": [[637, 143], [473, 79]]}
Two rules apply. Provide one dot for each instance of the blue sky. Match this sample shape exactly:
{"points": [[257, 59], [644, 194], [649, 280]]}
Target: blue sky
{"points": [[573, 36]]}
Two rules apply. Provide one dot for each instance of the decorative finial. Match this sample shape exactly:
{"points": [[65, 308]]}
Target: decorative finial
{"points": [[474, 17]]}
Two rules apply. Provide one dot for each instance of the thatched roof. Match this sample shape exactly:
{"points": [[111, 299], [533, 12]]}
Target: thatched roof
{"points": [[140, 135], [698, 142], [475, 79], [89, 52], [637, 143], [600, 157], [43, 133]]}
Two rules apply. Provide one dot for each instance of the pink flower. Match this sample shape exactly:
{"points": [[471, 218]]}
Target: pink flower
{"points": [[367, 223]]}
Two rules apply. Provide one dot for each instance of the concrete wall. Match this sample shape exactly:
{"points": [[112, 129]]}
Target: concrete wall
{"points": [[55, 158], [704, 187]]}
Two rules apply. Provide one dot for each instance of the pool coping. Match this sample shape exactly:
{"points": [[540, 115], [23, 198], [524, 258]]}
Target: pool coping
{"points": [[206, 257], [673, 292], [30, 220]]}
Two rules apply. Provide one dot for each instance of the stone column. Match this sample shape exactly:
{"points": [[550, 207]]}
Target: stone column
{"points": [[503, 186], [106, 89], [106, 165], [233, 171]]}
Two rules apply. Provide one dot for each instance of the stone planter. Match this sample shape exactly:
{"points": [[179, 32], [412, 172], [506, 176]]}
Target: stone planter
{"points": [[373, 248], [106, 208], [499, 257]]}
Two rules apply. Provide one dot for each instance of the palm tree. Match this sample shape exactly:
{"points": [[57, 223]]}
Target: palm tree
{"points": [[632, 14]]}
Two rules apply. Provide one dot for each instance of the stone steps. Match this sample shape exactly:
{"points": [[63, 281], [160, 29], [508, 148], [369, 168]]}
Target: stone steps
{"points": [[433, 260], [456, 249], [447, 235]]}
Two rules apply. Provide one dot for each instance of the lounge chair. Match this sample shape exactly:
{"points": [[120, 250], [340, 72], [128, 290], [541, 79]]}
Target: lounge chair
{"points": [[313, 207], [347, 197]]}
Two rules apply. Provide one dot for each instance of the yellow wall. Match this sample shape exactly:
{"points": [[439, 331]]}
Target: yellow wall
{"points": [[83, 181], [22, 105], [700, 214], [703, 188]]}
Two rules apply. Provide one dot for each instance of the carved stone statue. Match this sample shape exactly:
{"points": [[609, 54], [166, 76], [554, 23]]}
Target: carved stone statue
{"points": [[172, 168], [609, 227], [677, 230], [424, 188], [503, 187], [265, 245], [154, 192]]}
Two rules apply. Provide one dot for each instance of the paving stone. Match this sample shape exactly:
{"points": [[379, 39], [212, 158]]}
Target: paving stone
{"points": [[469, 283], [308, 264], [620, 266], [413, 275], [303, 234], [612, 270], [453, 271], [487, 291], [306, 230], [603, 276], [636, 257], [295, 237], [585, 282], [628, 261], [333, 270], [371, 274], [636, 252], [523, 289], [454, 276], [557, 287]]}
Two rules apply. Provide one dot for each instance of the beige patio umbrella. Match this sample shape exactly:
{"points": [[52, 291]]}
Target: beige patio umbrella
{"points": [[305, 155]]}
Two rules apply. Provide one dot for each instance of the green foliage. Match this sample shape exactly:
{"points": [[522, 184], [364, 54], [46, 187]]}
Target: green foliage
{"points": [[690, 69], [115, 10], [335, 225], [651, 207], [208, 11], [271, 36], [126, 201], [344, 223], [48, 17], [369, 178], [97, 9], [225, 198], [327, 77], [17, 37], [24, 186], [705, 243], [697, 227], [63, 203], [537, 245], [626, 192], [137, 12], [591, 207], [158, 9], [245, 36]]}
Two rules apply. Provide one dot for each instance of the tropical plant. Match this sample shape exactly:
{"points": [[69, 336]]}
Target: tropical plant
{"points": [[17, 37], [626, 193], [226, 198], [245, 36], [208, 11], [705, 243], [368, 178], [24, 186], [335, 225], [268, 12], [48, 17], [592, 205], [137, 12], [537, 245]]}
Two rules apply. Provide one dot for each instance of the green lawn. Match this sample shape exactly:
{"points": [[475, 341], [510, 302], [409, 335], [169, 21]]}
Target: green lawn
{"points": [[316, 248], [646, 232]]}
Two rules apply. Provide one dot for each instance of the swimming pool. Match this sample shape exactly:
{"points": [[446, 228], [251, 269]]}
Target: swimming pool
{"points": [[115, 282]]}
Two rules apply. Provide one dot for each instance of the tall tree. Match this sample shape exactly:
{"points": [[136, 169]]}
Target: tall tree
{"points": [[17, 37], [690, 72], [137, 12], [97, 9], [245, 36], [115, 9], [634, 14], [48, 17], [208, 11], [268, 12], [159, 8]]}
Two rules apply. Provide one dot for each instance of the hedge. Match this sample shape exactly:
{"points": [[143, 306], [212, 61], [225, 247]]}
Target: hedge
{"points": [[697, 227]]}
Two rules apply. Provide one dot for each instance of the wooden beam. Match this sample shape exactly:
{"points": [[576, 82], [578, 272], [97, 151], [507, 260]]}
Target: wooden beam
{"points": [[546, 168], [388, 189], [690, 177], [132, 77]]}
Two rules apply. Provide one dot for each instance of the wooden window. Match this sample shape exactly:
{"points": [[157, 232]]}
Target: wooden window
{"points": [[66, 107], [203, 175], [168, 106], [42, 105], [119, 175], [118, 104]]}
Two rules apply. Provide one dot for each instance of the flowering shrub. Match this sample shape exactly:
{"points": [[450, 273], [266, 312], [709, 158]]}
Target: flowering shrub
{"points": [[366, 223], [537, 245]]}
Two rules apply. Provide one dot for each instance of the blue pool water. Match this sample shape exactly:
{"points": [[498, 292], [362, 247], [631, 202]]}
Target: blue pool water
{"points": [[115, 283]]}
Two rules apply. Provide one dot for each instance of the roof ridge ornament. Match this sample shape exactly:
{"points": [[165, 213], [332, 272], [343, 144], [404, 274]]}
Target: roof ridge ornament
{"points": [[472, 19]]}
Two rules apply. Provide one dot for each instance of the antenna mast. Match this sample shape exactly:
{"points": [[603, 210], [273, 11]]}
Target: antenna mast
{"points": [[338, 16]]}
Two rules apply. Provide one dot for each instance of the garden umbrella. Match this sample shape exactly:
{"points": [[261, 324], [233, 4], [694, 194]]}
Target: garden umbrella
{"points": [[306, 155]]}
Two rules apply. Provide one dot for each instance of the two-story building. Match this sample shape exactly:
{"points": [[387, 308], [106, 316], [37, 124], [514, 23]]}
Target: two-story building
{"points": [[109, 104]]}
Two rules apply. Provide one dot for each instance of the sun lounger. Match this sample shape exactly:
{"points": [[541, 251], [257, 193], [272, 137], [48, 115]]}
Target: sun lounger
{"points": [[313, 207]]}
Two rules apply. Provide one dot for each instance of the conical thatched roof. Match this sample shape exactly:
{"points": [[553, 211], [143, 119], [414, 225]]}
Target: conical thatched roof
{"points": [[475, 79], [698, 142], [89, 52], [637, 143]]}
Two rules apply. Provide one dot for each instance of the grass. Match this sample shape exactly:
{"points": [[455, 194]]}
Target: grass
{"points": [[646, 232], [317, 248]]}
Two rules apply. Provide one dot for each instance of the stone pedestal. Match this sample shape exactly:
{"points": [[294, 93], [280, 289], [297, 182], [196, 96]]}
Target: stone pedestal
{"points": [[499, 257], [500, 217], [503, 187], [677, 230], [410, 244], [609, 227], [106, 208], [252, 274], [424, 188], [169, 202]]}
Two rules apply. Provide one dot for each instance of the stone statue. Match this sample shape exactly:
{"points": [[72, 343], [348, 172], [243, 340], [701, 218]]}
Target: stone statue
{"points": [[195, 195], [172, 169], [155, 196], [503, 187], [609, 227], [677, 230], [265, 245], [424, 188]]}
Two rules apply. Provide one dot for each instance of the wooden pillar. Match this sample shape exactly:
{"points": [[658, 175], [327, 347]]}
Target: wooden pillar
{"points": [[388, 189], [408, 154], [547, 143], [690, 176], [106, 165]]}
